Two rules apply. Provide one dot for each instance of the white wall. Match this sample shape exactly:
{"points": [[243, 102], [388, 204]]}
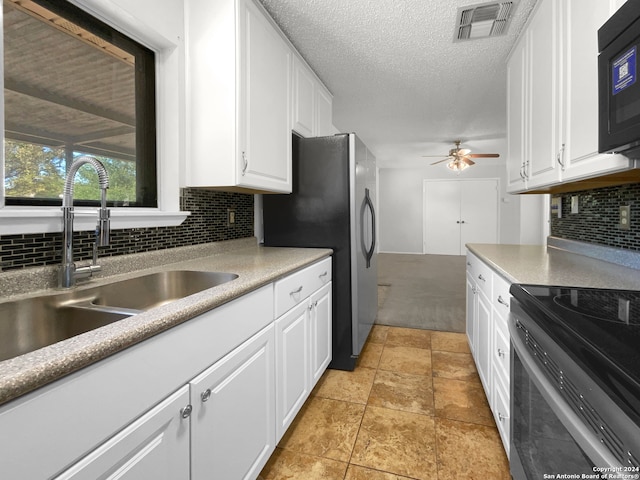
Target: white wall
{"points": [[401, 206]]}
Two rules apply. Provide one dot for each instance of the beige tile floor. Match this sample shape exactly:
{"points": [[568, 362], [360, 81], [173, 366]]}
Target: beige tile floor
{"points": [[414, 408]]}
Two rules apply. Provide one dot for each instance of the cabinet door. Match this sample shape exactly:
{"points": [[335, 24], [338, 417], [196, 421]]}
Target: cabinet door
{"points": [[483, 342], [292, 364], [303, 100], [545, 95], [324, 113], [320, 328], [233, 419], [516, 115], [154, 447], [264, 157], [471, 312]]}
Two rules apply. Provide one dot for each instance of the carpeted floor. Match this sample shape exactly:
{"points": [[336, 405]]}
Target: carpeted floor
{"points": [[422, 291]]}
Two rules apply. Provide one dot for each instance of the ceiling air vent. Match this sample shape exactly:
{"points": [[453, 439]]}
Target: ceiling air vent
{"points": [[483, 20]]}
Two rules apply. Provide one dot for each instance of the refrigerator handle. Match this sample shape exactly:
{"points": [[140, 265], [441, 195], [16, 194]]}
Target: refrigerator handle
{"points": [[369, 203]]}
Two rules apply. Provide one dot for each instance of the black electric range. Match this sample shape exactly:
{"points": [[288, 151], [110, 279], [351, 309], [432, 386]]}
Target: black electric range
{"points": [[599, 329]]}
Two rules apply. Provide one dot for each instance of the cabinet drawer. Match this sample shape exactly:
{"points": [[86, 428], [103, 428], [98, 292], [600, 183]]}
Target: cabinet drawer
{"points": [[472, 264], [501, 297], [484, 278], [296, 287]]}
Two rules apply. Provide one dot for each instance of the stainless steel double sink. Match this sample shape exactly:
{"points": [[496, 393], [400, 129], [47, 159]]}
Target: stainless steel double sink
{"points": [[32, 323]]}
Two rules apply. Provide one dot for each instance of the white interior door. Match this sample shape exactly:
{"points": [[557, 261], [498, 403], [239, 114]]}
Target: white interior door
{"points": [[478, 212], [441, 217], [457, 212]]}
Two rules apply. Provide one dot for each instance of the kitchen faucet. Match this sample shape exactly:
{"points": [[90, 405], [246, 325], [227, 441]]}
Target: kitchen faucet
{"points": [[67, 271]]}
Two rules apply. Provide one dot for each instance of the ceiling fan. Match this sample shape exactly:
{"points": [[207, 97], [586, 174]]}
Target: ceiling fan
{"points": [[460, 158]]}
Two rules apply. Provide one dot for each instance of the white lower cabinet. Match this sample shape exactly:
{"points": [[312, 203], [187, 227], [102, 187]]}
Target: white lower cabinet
{"points": [[197, 401], [292, 364], [321, 332], [488, 335], [233, 419], [483, 340], [154, 447], [303, 338]]}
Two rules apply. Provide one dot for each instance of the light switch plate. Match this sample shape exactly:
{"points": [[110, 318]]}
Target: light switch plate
{"points": [[574, 204]]}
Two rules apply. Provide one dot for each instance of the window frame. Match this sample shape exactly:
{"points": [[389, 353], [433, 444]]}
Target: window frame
{"points": [[160, 28]]}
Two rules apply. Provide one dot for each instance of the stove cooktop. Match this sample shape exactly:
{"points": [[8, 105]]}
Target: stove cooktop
{"points": [[599, 328]]}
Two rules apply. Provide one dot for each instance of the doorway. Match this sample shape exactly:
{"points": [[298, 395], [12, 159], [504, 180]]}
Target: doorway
{"points": [[457, 212]]}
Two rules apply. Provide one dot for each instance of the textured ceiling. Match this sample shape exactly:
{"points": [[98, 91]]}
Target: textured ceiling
{"points": [[398, 79]]}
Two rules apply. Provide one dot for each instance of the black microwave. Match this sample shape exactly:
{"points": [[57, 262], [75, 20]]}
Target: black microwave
{"points": [[618, 82]]}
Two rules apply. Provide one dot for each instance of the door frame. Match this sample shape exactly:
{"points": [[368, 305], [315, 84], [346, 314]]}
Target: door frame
{"points": [[426, 181]]}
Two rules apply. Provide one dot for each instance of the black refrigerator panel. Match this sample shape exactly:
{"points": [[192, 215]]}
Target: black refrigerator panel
{"points": [[318, 214]]}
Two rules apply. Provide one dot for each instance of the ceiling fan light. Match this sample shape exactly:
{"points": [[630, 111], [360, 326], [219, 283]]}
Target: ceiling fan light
{"points": [[456, 165]]}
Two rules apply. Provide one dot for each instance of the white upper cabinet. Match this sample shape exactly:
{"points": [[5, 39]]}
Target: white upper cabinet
{"points": [[516, 100], [303, 99], [552, 102], [544, 99], [580, 155], [324, 112], [312, 103], [239, 98]]}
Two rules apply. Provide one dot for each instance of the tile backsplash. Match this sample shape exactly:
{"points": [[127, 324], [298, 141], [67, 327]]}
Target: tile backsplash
{"points": [[207, 223], [597, 220]]}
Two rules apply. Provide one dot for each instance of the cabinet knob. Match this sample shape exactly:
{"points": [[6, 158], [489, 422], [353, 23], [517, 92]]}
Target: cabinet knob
{"points": [[501, 353], [480, 277], [502, 417], [502, 301], [186, 411], [204, 396]]}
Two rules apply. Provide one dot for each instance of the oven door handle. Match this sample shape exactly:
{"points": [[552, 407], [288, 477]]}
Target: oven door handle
{"points": [[588, 442]]}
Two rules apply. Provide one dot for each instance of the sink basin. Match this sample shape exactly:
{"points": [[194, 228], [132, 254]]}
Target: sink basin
{"points": [[29, 324], [155, 289]]}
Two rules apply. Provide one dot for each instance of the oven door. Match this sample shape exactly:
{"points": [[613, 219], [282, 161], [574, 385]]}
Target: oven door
{"points": [[547, 437]]}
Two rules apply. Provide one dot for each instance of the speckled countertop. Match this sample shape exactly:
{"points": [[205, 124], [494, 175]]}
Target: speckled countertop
{"points": [[542, 265], [255, 265]]}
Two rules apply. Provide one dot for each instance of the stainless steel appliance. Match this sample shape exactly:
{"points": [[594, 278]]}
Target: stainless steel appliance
{"points": [[618, 85], [575, 387], [332, 206]]}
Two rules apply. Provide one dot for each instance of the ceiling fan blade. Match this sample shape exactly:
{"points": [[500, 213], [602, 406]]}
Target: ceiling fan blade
{"points": [[463, 151], [483, 155], [443, 160], [467, 160], [432, 156]]}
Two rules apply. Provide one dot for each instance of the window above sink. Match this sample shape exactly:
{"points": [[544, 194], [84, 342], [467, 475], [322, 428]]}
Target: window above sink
{"points": [[144, 22]]}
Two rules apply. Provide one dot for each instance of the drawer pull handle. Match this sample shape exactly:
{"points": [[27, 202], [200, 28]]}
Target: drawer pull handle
{"points": [[323, 274], [186, 411], [204, 396], [501, 353], [480, 277], [502, 417], [502, 301], [295, 292]]}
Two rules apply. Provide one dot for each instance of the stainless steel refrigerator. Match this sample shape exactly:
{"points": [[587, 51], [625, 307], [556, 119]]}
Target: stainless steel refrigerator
{"points": [[333, 206]]}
